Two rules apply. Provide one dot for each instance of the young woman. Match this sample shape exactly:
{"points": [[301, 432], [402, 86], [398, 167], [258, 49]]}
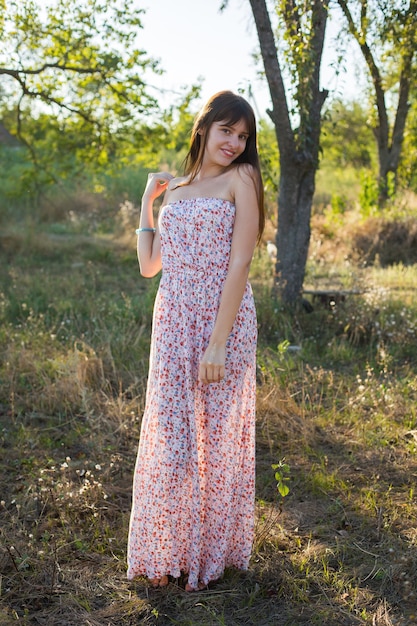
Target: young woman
{"points": [[194, 481]]}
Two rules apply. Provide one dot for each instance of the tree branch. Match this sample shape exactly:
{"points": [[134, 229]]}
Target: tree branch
{"points": [[280, 113], [319, 21], [59, 66], [364, 16], [382, 131], [402, 110]]}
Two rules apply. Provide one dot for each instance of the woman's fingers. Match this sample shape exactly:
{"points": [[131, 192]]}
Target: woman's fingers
{"points": [[164, 177], [212, 364], [158, 182], [211, 373]]}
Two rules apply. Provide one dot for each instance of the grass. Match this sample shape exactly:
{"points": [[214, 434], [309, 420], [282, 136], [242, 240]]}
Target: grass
{"points": [[340, 549]]}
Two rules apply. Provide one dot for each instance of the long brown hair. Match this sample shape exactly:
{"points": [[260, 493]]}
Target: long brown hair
{"points": [[227, 107]]}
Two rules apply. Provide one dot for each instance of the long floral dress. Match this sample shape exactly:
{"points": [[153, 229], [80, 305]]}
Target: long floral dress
{"points": [[194, 481]]}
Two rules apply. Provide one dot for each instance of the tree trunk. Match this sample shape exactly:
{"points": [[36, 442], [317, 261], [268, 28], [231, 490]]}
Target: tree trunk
{"points": [[389, 142], [293, 234], [298, 150], [389, 152]]}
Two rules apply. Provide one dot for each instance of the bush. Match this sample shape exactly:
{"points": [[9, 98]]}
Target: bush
{"points": [[387, 242]]}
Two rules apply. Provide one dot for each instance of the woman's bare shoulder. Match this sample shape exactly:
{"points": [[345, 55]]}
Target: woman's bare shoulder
{"points": [[244, 175], [245, 171]]}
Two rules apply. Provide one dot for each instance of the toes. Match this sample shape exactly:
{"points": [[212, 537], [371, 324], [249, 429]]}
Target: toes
{"points": [[200, 587], [159, 582]]}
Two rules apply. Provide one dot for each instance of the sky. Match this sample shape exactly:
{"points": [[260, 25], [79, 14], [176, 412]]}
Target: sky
{"points": [[193, 39]]}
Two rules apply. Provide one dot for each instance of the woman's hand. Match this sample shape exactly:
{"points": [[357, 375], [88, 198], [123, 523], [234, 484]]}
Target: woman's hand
{"points": [[149, 246], [156, 184], [212, 365]]}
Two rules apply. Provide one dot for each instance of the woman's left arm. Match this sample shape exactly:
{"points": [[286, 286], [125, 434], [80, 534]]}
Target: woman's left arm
{"points": [[245, 232]]}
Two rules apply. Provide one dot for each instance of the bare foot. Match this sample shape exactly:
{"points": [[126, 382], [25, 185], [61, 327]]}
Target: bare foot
{"points": [[159, 582], [200, 587]]}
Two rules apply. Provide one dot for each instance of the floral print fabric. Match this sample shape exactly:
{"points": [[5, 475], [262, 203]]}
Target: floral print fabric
{"points": [[193, 491]]}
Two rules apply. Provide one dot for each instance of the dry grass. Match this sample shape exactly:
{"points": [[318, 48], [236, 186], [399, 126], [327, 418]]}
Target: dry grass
{"points": [[341, 549], [347, 237]]}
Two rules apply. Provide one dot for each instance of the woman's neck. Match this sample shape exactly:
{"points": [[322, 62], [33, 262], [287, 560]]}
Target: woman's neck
{"points": [[210, 171]]}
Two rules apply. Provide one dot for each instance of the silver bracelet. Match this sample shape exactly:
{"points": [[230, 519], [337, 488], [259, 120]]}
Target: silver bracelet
{"points": [[145, 230]]}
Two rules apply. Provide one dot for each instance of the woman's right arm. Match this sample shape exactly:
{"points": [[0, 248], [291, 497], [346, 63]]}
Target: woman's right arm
{"points": [[149, 245]]}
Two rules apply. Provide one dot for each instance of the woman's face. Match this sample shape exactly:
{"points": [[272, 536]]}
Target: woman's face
{"points": [[225, 143]]}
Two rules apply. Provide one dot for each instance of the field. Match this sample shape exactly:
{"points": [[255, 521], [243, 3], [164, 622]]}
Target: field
{"points": [[337, 393]]}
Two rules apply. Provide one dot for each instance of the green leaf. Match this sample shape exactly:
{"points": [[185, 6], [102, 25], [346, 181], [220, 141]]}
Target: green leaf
{"points": [[283, 489]]}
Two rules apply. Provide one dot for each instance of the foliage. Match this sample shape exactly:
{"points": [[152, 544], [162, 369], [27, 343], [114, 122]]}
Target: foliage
{"points": [[282, 476], [74, 85], [369, 194], [176, 125], [16, 167], [77, 57], [269, 159], [407, 174], [346, 137], [74, 90], [65, 183]]}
